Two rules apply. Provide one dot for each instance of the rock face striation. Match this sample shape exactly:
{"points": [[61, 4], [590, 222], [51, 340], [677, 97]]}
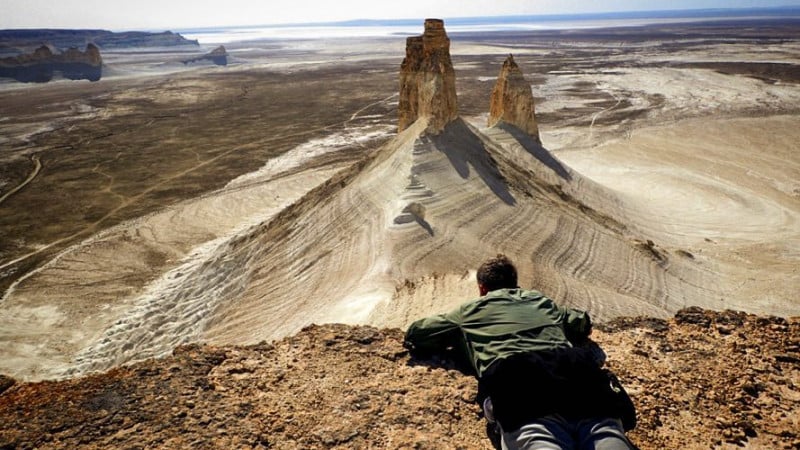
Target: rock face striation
{"points": [[41, 65], [427, 80], [512, 100]]}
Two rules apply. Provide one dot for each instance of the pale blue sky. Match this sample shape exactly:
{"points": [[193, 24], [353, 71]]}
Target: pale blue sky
{"points": [[174, 14]]}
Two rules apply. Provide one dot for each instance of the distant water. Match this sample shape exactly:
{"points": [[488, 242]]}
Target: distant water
{"points": [[382, 28]]}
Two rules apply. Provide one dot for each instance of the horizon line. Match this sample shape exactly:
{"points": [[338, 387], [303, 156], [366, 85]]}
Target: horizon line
{"points": [[459, 20], [467, 19]]}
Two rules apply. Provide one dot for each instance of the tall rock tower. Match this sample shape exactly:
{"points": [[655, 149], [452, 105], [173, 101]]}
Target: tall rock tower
{"points": [[427, 80], [512, 100]]}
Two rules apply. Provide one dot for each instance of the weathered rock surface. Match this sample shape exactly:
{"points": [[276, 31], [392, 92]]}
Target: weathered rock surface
{"points": [[41, 65], [701, 380], [512, 100], [218, 56], [427, 79]]}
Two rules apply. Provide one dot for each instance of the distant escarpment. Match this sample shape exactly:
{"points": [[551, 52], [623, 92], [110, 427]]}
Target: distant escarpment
{"points": [[218, 56], [36, 56], [427, 80], [21, 41], [512, 100], [41, 65]]}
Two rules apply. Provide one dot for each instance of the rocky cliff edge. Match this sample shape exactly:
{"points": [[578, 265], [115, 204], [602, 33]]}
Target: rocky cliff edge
{"points": [[701, 380]]}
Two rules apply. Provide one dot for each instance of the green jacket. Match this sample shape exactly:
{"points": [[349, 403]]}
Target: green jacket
{"points": [[499, 324]]}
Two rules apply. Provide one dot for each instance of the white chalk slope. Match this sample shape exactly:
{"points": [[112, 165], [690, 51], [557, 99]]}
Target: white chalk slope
{"points": [[383, 242]]}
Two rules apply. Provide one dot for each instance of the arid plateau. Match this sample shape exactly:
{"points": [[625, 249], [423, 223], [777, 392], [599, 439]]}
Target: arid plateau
{"points": [[166, 205], [237, 204]]}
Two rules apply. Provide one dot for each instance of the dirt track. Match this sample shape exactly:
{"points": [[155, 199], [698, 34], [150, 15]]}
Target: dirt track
{"points": [[37, 166]]}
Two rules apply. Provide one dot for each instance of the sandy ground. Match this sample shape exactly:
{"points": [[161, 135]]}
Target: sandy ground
{"points": [[259, 223]]}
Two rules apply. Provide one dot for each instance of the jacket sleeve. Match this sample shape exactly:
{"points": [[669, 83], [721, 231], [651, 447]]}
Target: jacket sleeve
{"points": [[432, 335], [577, 325]]}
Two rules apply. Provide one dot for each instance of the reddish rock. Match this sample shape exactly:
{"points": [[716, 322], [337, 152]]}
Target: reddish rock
{"points": [[427, 80], [341, 387], [512, 100]]}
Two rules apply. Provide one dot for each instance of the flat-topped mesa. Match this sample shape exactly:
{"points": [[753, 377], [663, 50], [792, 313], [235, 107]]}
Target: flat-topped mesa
{"points": [[512, 100], [427, 80], [40, 66]]}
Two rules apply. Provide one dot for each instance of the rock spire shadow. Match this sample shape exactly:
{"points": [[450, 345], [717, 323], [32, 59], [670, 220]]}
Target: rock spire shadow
{"points": [[465, 149]]}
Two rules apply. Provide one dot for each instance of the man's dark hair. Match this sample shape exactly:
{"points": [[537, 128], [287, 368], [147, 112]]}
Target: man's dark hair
{"points": [[497, 273]]}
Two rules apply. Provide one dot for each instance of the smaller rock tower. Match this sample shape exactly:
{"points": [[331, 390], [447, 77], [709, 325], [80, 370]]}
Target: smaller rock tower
{"points": [[427, 80], [512, 100]]}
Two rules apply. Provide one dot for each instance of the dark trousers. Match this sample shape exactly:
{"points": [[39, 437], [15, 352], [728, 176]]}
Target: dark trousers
{"points": [[566, 382]]}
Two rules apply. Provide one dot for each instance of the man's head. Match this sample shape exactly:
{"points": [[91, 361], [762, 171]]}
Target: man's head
{"points": [[497, 273]]}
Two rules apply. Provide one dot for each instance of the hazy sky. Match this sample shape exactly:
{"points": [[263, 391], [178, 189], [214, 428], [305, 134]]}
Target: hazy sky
{"points": [[172, 14]]}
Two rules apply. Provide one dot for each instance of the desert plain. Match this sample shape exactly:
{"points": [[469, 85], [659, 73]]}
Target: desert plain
{"points": [[167, 204]]}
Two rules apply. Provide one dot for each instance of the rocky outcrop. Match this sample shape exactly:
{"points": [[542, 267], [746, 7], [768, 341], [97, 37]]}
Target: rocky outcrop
{"points": [[218, 56], [91, 56], [41, 65], [427, 80], [512, 100], [702, 380]]}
